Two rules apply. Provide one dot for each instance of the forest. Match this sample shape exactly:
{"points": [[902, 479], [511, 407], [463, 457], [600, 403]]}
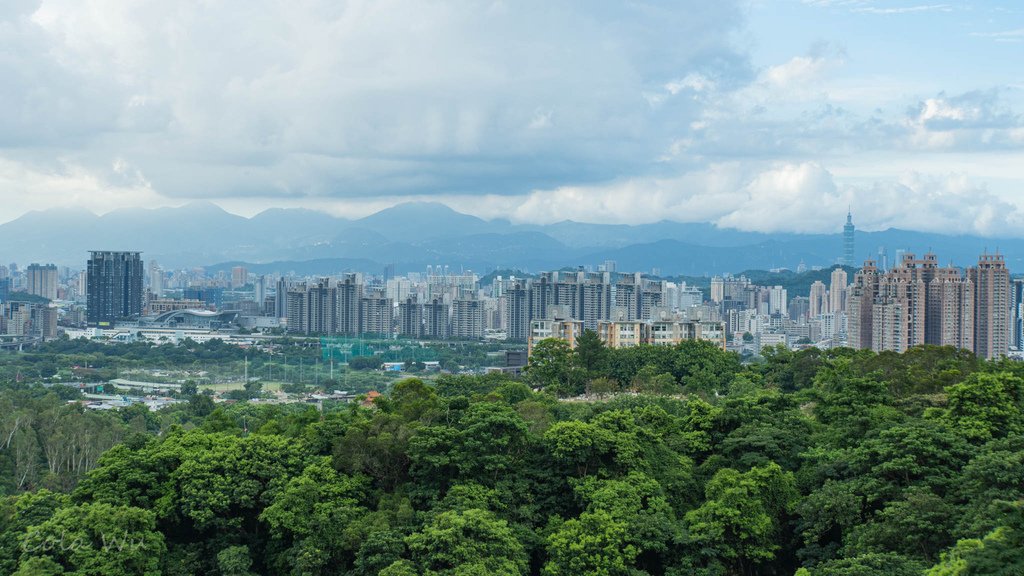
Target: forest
{"points": [[640, 461]]}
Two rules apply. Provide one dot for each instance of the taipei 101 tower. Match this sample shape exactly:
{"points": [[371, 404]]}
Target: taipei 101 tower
{"points": [[848, 240]]}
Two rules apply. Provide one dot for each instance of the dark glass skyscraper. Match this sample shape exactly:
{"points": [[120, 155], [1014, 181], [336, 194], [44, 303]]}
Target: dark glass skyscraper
{"points": [[114, 287], [848, 240]]}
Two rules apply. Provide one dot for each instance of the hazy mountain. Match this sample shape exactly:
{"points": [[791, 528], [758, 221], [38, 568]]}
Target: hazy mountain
{"points": [[414, 235], [581, 234], [413, 221], [318, 267]]}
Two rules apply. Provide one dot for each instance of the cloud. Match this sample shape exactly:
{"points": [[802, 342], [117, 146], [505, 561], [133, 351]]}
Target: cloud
{"points": [[797, 110], [973, 120], [350, 99], [872, 7], [789, 197], [806, 198], [1015, 35], [952, 203], [66, 184], [798, 69], [781, 197], [536, 111], [905, 9], [692, 197]]}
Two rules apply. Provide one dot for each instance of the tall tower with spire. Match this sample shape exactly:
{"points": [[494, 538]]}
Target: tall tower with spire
{"points": [[848, 240]]}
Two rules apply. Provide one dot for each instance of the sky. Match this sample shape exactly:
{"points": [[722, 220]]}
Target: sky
{"points": [[770, 116]]}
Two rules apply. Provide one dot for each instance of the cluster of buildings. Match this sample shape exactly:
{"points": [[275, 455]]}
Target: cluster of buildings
{"points": [[122, 298], [435, 305], [28, 319], [623, 309], [915, 302], [758, 316], [921, 302], [23, 318]]}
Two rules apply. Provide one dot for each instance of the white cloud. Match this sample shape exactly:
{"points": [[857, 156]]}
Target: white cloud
{"points": [[784, 197], [353, 98], [872, 7], [66, 184], [789, 197], [973, 120], [1002, 34], [539, 112], [905, 9], [692, 197], [798, 70]]}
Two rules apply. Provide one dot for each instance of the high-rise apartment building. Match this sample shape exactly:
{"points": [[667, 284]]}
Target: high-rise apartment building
{"points": [[259, 290], [898, 313], [799, 308], [991, 281], [950, 310], [860, 306], [435, 319], [837, 291], [717, 289], [651, 298], [42, 280], [410, 318], [818, 301], [467, 318], [114, 287], [517, 301], [376, 312], [350, 291], [320, 316], [281, 297], [627, 296], [595, 298], [296, 306], [156, 279], [778, 300], [239, 277]]}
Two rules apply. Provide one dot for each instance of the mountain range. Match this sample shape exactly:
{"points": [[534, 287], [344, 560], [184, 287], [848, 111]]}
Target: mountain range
{"points": [[413, 235]]}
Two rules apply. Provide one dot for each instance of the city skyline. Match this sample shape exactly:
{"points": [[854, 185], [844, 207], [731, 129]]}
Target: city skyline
{"points": [[752, 115], [917, 301]]}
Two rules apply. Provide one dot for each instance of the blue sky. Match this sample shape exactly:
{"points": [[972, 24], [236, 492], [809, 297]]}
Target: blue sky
{"points": [[759, 115]]}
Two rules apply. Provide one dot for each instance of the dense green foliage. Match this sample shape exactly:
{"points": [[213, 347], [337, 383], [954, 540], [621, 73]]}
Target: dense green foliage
{"points": [[659, 461]]}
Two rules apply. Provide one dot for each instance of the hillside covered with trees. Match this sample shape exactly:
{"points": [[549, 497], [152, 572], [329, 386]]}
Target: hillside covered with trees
{"points": [[642, 461]]}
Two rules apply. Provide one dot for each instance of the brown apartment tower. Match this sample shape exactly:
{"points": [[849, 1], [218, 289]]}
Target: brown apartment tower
{"points": [[991, 281], [915, 303], [860, 306]]}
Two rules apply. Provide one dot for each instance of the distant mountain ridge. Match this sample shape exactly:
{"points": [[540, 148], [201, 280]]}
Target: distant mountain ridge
{"points": [[414, 235]]}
